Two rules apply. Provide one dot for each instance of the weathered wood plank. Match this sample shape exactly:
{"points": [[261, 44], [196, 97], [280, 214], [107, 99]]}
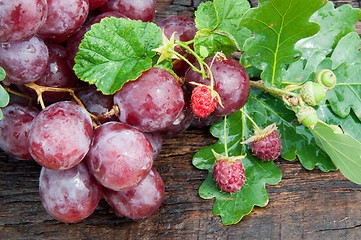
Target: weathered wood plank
{"points": [[305, 205]]}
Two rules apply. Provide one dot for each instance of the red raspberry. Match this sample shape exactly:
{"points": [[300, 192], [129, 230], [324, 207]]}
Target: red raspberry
{"points": [[202, 102], [230, 176], [268, 147]]}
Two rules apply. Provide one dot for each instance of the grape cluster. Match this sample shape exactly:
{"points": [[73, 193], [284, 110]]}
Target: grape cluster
{"points": [[89, 144]]}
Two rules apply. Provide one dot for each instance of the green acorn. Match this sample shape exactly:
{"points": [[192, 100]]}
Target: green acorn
{"points": [[312, 93], [307, 116], [326, 78]]}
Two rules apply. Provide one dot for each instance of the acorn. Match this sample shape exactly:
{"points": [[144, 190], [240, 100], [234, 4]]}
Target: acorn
{"points": [[307, 116], [312, 93], [326, 78]]}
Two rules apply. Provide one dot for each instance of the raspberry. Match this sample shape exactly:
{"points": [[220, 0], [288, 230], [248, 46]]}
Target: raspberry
{"points": [[268, 147], [265, 144], [230, 176], [202, 101]]}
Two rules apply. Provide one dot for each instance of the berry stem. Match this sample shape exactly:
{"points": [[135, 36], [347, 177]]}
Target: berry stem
{"points": [[252, 121], [276, 91], [225, 136]]}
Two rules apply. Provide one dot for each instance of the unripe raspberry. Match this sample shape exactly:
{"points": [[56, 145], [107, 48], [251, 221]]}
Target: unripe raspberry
{"points": [[312, 93], [202, 101], [326, 78], [307, 116]]}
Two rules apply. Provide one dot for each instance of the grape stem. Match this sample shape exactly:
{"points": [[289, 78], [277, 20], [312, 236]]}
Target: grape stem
{"points": [[9, 90], [41, 89]]}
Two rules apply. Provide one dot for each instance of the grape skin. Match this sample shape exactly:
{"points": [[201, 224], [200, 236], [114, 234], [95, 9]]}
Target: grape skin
{"points": [[140, 202], [60, 135], [57, 74], [14, 127], [143, 10], [231, 82], [63, 19], [120, 156], [184, 29], [24, 62], [21, 19], [97, 103], [156, 141], [69, 195], [152, 102], [93, 4]]}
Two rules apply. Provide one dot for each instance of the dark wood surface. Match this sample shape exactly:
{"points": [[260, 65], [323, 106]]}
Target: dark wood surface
{"points": [[304, 205]]}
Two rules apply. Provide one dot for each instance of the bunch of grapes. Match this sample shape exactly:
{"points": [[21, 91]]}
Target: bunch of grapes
{"points": [[92, 145]]}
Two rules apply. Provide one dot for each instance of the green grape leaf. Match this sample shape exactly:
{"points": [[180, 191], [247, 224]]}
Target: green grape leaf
{"points": [[346, 95], [116, 51], [232, 207], [277, 26], [220, 28], [4, 96], [335, 23], [344, 150], [296, 139]]}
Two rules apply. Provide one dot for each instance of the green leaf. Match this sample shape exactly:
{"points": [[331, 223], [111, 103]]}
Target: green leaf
{"points": [[232, 207], [344, 150], [4, 96], [335, 23], [346, 95], [220, 28], [296, 139], [277, 26], [116, 51], [351, 125]]}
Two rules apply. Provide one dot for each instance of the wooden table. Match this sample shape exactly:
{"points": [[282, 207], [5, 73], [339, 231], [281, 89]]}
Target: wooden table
{"points": [[304, 205]]}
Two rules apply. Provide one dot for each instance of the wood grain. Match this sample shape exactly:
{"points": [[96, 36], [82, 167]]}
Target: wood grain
{"points": [[305, 205]]}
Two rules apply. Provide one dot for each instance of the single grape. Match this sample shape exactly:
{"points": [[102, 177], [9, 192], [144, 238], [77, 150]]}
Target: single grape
{"points": [[183, 120], [60, 135], [185, 30], [14, 127], [231, 82], [134, 9], [152, 102], [72, 45], [70, 195], [97, 103], [63, 19], [21, 19], [24, 62], [57, 74], [120, 156], [93, 4], [140, 202], [156, 141]]}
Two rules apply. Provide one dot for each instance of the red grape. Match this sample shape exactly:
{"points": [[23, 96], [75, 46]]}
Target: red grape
{"points": [[120, 156], [152, 102], [63, 19], [60, 136], [185, 30], [97, 103], [21, 19], [231, 82], [14, 127], [93, 4], [57, 74], [69, 195], [156, 141], [24, 62], [134, 9], [140, 202]]}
